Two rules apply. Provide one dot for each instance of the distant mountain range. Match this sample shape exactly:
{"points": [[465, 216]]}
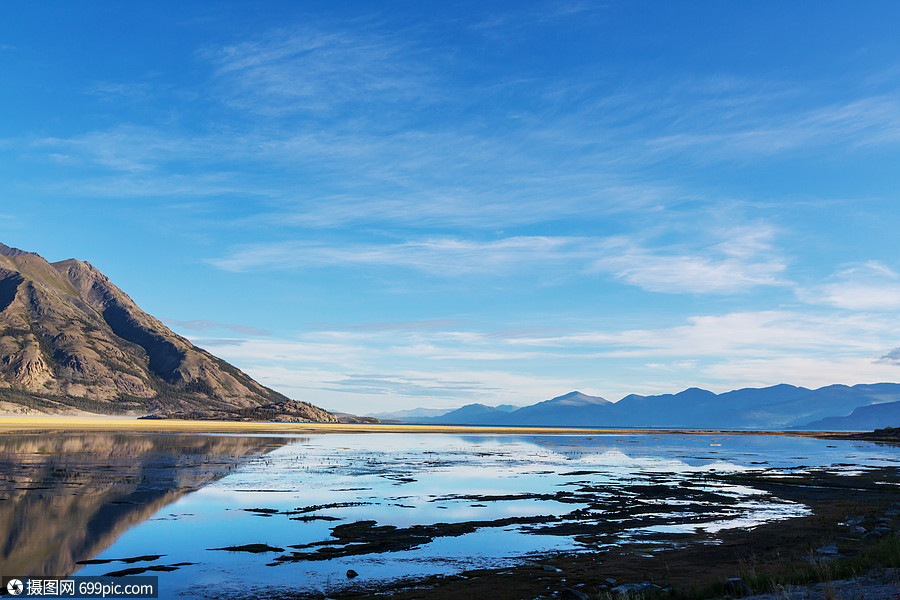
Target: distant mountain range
{"points": [[834, 407], [72, 341], [421, 415]]}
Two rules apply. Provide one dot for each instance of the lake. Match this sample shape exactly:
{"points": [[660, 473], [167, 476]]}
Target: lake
{"points": [[238, 515]]}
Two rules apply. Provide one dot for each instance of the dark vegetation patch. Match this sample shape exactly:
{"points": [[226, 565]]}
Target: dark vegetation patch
{"points": [[252, 548], [887, 434], [50, 403], [266, 512], [367, 537], [127, 561], [140, 570], [303, 511]]}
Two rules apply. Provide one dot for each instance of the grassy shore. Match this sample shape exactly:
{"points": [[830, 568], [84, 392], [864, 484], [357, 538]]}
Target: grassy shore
{"points": [[126, 424]]}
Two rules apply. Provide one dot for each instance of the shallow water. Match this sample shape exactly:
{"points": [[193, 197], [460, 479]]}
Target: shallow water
{"points": [[504, 498]]}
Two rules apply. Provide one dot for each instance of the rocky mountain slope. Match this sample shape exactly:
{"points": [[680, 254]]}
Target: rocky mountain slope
{"points": [[71, 340]]}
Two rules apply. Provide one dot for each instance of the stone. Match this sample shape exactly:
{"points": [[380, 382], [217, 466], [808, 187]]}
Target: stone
{"points": [[571, 594], [858, 530], [635, 588], [828, 549], [737, 587], [609, 581], [551, 569]]}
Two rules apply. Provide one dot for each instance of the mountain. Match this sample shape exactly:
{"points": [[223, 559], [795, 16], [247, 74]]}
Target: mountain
{"points": [[569, 409], [864, 418], [410, 414], [470, 413], [775, 408], [70, 340]]}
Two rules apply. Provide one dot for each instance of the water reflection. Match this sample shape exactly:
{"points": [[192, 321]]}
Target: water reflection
{"points": [[285, 513], [64, 497]]}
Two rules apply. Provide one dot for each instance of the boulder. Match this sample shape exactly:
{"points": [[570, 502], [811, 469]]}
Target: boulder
{"points": [[828, 549], [571, 594], [737, 587], [635, 588]]}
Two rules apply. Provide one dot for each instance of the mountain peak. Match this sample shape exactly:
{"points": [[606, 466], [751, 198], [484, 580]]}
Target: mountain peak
{"points": [[576, 398]]}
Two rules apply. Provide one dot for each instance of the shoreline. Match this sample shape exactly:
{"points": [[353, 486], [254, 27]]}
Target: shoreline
{"points": [[128, 424]]}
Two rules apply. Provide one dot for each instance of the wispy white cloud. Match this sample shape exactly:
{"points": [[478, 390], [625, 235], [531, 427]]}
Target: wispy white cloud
{"points": [[437, 324], [206, 325], [321, 71], [806, 371], [126, 147], [744, 259], [868, 286], [412, 387], [117, 91], [772, 131], [772, 334], [448, 257]]}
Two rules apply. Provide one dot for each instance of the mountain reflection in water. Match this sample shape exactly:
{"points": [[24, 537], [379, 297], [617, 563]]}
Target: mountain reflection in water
{"points": [[64, 497]]}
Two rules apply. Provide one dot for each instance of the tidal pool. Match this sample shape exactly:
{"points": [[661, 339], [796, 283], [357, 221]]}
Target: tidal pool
{"points": [[232, 515]]}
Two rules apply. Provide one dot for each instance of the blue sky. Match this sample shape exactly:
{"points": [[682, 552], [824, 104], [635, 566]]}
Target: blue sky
{"points": [[378, 206]]}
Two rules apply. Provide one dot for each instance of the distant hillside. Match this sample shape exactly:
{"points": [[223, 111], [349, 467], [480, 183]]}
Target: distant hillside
{"points": [[569, 409], [864, 418], [471, 413], [777, 407], [412, 413], [71, 340]]}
